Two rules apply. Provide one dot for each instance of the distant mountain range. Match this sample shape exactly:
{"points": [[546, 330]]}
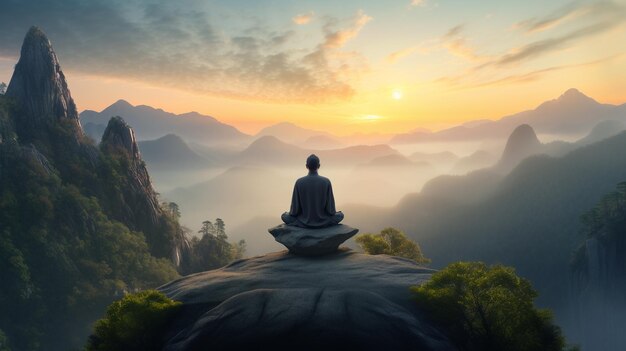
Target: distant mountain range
{"points": [[269, 150], [573, 113], [171, 151], [529, 219], [152, 123], [291, 133]]}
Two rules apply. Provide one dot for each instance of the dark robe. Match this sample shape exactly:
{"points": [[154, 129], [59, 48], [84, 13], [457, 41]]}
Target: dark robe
{"points": [[312, 203]]}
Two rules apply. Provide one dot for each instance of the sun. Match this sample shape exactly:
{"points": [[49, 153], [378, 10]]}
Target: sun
{"points": [[396, 94]]}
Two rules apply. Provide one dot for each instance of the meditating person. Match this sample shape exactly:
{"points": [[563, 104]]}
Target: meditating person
{"points": [[312, 203]]}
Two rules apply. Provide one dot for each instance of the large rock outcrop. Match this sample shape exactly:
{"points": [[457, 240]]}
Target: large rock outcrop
{"points": [[136, 203], [284, 301], [38, 85], [310, 241]]}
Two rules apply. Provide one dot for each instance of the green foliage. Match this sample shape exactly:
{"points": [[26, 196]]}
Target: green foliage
{"points": [[391, 241], [213, 250], [135, 322], [488, 308], [3, 88], [61, 254], [606, 221]]}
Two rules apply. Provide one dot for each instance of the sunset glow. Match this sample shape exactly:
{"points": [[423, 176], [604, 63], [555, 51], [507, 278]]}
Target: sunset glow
{"points": [[319, 64]]}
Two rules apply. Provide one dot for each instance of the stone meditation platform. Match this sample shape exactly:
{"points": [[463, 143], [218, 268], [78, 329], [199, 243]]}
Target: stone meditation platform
{"points": [[312, 241]]}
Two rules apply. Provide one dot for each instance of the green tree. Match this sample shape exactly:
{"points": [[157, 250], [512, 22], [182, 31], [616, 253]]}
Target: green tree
{"points": [[3, 88], [488, 308], [136, 322], [239, 249], [174, 209], [391, 241], [220, 229], [213, 250], [207, 228]]}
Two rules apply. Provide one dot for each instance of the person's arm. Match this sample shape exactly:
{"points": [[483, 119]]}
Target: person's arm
{"points": [[295, 202], [330, 200]]}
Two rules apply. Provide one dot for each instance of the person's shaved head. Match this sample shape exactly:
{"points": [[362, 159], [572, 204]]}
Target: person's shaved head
{"points": [[313, 162]]}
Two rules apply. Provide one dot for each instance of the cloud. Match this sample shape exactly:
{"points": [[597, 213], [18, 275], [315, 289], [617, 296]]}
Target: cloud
{"points": [[567, 13], [400, 54], [542, 47], [526, 77], [592, 20], [164, 44], [338, 38], [457, 44], [303, 18], [418, 3]]}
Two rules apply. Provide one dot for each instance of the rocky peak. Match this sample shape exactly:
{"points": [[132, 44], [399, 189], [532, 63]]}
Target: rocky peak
{"points": [[39, 87], [575, 97], [119, 135], [522, 143]]}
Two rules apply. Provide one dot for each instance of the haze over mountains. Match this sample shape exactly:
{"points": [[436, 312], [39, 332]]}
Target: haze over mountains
{"points": [[518, 204], [506, 191], [151, 123], [571, 114], [183, 158]]}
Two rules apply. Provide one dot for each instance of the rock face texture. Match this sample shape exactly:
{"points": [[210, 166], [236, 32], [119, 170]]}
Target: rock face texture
{"points": [[45, 125], [137, 204], [39, 85], [319, 241], [285, 301]]}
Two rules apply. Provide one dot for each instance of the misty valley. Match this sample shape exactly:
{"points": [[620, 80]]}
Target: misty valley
{"points": [[135, 228]]}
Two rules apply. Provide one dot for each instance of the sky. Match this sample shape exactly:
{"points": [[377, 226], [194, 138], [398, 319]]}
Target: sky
{"points": [[385, 66]]}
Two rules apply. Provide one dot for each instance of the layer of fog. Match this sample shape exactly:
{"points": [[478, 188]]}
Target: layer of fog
{"points": [[250, 199]]}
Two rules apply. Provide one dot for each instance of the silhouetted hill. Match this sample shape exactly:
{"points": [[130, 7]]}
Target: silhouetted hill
{"points": [[522, 143], [151, 123], [530, 220], [236, 195], [478, 160], [573, 113], [393, 160], [322, 142], [443, 157], [291, 133], [353, 155], [271, 151], [601, 131], [171, 152]]}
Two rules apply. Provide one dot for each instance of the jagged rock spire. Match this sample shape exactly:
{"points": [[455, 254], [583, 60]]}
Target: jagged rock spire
{"points": [[39, 88], [120, 135]]}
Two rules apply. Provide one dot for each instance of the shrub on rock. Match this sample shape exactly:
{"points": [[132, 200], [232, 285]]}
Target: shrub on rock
{"points": [[391, 241], [488, 308], [135, 322]]}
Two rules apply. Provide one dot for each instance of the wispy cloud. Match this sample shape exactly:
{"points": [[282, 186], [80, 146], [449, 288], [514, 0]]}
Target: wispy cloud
{"points": [[458, 45], [541, 47], [567, 13], [459, 82], [181, 47], [400, 54], [418, 3], [338, 38], [593, 20], [303, 18]]}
